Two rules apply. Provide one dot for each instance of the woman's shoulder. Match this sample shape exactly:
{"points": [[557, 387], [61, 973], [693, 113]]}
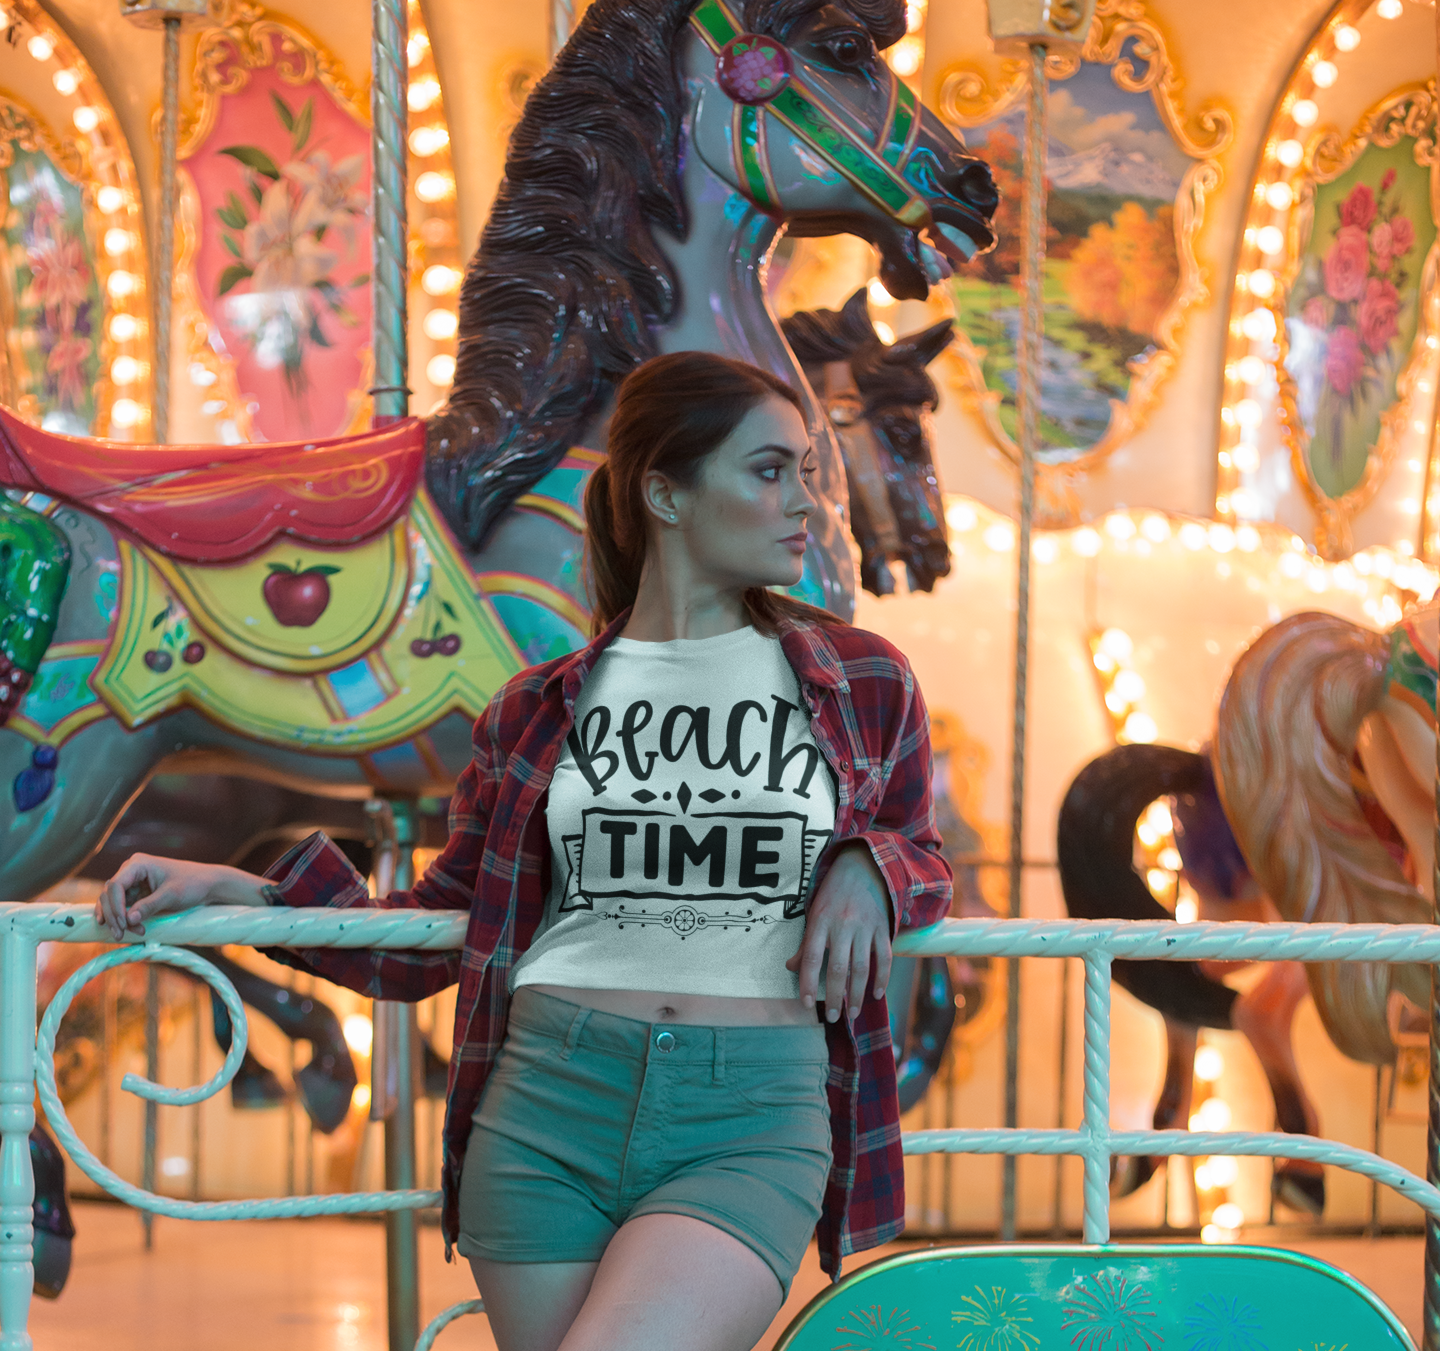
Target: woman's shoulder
{"points": [[852, 645]]}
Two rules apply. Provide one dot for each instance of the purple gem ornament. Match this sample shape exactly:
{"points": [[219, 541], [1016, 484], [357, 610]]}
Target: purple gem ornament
{"points": [[753, 69]]}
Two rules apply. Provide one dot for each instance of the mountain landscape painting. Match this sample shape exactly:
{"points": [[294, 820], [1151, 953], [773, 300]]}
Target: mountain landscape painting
{"points": [[1112, 267]]}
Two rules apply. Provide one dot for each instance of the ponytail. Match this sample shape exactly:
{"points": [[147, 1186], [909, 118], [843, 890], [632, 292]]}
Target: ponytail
{"points": [[612, 561]]}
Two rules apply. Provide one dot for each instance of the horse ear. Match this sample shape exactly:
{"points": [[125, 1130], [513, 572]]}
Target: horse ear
{"points": [[856, 317], [925, 345]]}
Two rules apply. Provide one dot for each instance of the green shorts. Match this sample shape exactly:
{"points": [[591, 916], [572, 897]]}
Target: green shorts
{"points": [[588, 1120]]}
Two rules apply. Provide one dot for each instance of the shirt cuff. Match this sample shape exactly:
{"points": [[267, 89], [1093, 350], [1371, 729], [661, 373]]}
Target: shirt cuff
{"points": [[314, 873]]}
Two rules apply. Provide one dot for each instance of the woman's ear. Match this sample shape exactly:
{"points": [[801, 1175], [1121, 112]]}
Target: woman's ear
{"points": [[659, 497]]}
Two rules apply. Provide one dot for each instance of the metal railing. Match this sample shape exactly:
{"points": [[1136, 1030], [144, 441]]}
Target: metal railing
{"points": [[27, 1060]]}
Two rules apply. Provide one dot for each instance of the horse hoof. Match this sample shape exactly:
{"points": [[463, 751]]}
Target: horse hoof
{"points": [[325, 1093], [1304, 1192], [52, 1263], [1129, 1174], [255, 1087]]}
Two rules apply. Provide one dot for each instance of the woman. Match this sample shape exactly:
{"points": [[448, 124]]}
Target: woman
{"points": [[684, 851]]}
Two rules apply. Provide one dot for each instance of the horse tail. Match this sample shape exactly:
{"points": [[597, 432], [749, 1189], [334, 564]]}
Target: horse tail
{"points": [[1284, 747], [1096, 846]]}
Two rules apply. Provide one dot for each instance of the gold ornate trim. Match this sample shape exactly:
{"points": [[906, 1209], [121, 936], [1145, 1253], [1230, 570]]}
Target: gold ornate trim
{"points": [[1408, 111], [1124, 37]]}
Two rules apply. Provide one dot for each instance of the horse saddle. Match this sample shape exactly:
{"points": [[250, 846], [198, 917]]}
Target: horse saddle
{"points": [[220, 504]]}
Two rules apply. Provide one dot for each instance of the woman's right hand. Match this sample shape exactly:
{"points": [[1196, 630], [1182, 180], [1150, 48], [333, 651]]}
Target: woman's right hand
{"points": [[147, 886]]}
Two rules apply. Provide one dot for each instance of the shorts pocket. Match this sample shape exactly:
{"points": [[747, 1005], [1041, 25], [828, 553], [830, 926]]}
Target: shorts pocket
{"points": [[779, 1086]]}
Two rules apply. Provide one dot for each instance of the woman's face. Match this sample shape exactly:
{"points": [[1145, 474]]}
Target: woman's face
{"points": [[744, 522]]}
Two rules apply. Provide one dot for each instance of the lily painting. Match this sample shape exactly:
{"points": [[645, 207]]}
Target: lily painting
{"points": [[283, 261], [1352, 313]]}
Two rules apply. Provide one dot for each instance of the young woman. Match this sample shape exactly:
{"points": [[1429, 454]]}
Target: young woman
{"points": [[684, 851]]}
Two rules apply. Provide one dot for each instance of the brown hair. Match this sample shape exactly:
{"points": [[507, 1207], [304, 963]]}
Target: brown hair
{"points": [[670, 414]]}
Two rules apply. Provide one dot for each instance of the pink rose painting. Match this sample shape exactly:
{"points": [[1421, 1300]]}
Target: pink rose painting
{"points": [[1354, 302]]}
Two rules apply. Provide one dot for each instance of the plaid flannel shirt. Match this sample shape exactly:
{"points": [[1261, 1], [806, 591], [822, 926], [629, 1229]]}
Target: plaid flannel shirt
{"points": [[870, 723]]}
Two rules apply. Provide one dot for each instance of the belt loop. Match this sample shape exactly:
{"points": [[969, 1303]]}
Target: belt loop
{"points": [[572, 1036], [719, 1055]]}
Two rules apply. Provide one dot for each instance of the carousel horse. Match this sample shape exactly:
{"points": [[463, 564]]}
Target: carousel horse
{"points": [[1315, 803], [338, 624], [876, 396]]}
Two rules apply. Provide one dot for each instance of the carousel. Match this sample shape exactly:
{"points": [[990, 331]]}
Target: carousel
{"points": [[1117, 327]]}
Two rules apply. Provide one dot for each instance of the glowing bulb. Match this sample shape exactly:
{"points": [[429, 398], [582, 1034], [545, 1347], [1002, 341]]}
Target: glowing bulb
{"points": [[85, 118], [1086, 542], [1159, 881], [1251, 370], [1192, 535], [416, 48], [1261, 283], [1156, 529], [960, 516], [1270, 239], [1224, 1170], [914, 18], [1259, 326], [1247, 539], [1130, 686], [109, 199], [440, 370], [1229, 1216], [1304, 112], [1389, 9], [1290, 153], [1212, 1115], [433, 187], [65, 81], [423, 94], [40, 47], [361, 1096], [1347, 38], [1149, 836], [1117, 644], [118, 241], [125, 413], [123, 327], [879, 296], [905, 56], [440, 280], [1157, 816], [884, 332], [1186, 910], [1170, 858], [1140, 727], [124, 370], [359, 1033], [1044, 549], [1245, 458], [429, 140], [121, 284], [1119, 526], [1324, 74], [1248, 413], [1212, 1233], [1221, 538], [1000, 537], [440, 325], [1280, 196]]}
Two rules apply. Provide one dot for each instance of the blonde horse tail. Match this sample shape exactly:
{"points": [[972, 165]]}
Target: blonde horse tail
{"points": [[1284, 746]]}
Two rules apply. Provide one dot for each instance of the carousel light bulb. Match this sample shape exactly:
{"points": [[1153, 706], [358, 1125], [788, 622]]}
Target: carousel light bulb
{"points": [[1224, 1168], [1186, 910], [1221, 538], [1251, 370], [125, 413], [1130, 686], [359, 1033], [434, 187], [40, 47], [1155, 528], [1104, 662], [360, 1097], [440, 325], [1249, 413], [1259, 326], [1159, 881], [1261, 283], [1324, 73], [1118, 644], [1000, 537], [1247, 539], [1141, 727], [914, 18], [123, 327], [1290, 153], [905, 56], [1119, 526], [1389, 9], [960, 516], [1347, 38], [416, 48], [1280, 196], [1170, 858], [110, 199], [440, 370], [124, 370], [1157, 816], [1192, 535], [440, 280], [1213, 1115], [1149, 836], [1212, 1233], [1229, 1216], [884, 332], [423, 94], [1304, 111], [1086, 542], [1044, 549], [65, 81], [85, 118], [879, 296], [1270, 239], [426, 141], [1245, 457], [121, 284], [118, 241]]}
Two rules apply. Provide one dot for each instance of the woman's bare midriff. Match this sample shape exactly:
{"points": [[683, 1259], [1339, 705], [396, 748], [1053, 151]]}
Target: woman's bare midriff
{"points": [[650, 1006]]}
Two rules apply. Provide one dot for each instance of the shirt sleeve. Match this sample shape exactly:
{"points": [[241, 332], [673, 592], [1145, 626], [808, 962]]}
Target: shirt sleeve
{"points": [[316, 873], [902, 835]]}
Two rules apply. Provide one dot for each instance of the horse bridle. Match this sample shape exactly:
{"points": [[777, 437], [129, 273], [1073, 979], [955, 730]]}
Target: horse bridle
{"points": [[758, 75]]}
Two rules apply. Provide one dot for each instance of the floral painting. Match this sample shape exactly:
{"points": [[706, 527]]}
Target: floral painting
{"points": [[1112, 266], [283, 260], [1353, 310], [53, 340]]}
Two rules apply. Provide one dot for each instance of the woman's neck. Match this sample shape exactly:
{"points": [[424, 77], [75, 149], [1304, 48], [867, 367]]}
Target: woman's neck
{"points": [[671, 602]]}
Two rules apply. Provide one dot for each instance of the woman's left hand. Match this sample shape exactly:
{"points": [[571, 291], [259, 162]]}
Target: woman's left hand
{"points": [[847, 929]]}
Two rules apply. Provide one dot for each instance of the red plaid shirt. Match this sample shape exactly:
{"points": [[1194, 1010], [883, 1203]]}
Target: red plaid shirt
{"points": [[870, 723]]}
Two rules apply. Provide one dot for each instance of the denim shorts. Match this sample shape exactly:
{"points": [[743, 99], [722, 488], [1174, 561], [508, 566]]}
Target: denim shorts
{"points": [[589, 1119]]}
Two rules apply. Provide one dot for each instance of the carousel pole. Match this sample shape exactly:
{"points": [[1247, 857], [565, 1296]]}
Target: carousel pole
{"points": [[1029, 28], [1430, 1335]]}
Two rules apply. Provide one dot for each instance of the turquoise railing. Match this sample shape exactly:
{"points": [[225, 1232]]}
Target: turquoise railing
{"points": [[27, 1060]]}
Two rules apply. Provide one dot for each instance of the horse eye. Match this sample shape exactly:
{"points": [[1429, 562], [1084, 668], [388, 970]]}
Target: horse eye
{"points": [[849, 50]]}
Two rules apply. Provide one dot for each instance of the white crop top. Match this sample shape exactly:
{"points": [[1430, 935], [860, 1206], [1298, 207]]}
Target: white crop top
{"points": [[686, 815]]}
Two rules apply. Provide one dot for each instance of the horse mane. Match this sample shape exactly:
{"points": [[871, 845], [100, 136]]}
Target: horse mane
{"points": [[562, 297], [884, 374]]}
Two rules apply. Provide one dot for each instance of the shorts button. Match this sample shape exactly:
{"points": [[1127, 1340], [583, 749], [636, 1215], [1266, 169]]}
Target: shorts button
{"points": [[665, 1041]]}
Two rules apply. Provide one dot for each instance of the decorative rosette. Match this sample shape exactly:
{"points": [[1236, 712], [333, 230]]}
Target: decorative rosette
{"points": [[752, 69]]}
